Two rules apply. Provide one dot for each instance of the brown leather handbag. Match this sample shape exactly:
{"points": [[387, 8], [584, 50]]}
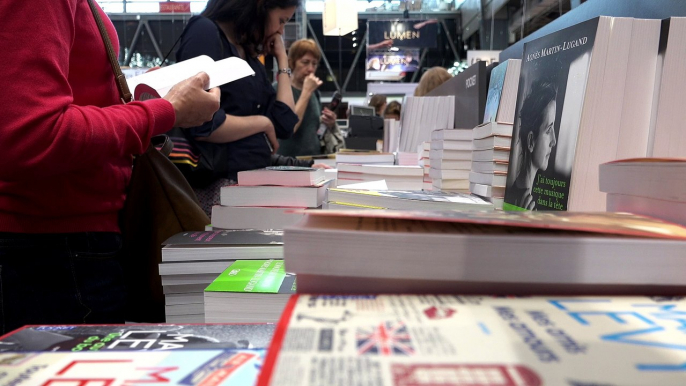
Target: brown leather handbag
{"points": [[159, 204]]}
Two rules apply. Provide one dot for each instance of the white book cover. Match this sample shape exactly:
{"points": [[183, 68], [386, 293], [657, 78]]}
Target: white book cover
{"points": [[252, 217], [495, 178], [383, 170], [156, 84], [483, 190], [453, 155], [365, 157], [674, 211], [492, 128], [490, 166], [492, 142], [445, 144], [452, 134], [274, 196], [659, 178], [282, 176]]}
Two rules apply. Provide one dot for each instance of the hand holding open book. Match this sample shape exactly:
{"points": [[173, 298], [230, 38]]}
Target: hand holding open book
{"points": [[183, 85]]}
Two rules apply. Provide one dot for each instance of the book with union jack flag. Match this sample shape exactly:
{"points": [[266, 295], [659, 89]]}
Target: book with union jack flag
{"points": [[386, 338], [454, 340]]}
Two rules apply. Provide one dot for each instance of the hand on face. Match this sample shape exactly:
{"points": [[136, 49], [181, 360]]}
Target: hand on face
{"points": [[276, 46], [311, 83], [328, 117]]}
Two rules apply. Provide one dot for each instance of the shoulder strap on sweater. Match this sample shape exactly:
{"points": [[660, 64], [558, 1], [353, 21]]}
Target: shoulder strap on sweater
{"points": [[120, 79]]}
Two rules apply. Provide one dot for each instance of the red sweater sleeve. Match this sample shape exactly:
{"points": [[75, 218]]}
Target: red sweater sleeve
{"points": [[59, 104]]}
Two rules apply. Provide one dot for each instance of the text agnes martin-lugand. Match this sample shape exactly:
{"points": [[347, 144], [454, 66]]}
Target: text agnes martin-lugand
{"points": [[557, 48]]}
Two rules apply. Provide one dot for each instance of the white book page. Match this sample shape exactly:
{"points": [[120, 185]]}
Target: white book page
{"points": [[162, 80]]}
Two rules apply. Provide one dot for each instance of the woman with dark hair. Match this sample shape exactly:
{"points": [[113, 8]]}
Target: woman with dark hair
{"points": [[536, 138], [243, 133]]}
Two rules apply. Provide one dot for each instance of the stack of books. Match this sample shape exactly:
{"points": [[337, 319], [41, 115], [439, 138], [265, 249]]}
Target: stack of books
{"points": [[423, 115], [192, 260], [493, 138], [424, 156], [450, 158], [494, 252], [249, 291], [262, 197], [397, 177], [488, 175], [653, 187]]}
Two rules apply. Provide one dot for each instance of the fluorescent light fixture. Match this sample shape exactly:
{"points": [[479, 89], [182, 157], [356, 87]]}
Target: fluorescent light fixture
{"points": [[339, 17]]}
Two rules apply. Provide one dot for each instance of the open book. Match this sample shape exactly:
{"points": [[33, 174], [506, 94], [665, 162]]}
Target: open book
{"points": [[156, 84]]}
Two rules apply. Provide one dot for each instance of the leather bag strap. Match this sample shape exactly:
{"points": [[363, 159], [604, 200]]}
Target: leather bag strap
{"points": [[124, 93]]}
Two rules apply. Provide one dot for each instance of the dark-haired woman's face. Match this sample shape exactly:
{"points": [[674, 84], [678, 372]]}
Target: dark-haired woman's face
{"points": [[546, 138], [276, 21]]}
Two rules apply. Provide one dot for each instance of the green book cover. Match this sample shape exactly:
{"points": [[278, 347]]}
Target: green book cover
{"points": [[254, 276]]}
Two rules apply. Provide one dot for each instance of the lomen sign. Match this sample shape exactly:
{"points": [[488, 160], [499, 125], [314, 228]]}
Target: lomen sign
{"points": [[404, 33]]}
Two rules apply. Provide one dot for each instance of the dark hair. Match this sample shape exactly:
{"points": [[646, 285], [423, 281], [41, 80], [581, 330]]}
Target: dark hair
{"points": [[393, 108], [248, 18], [531, 113], [377, 101]]}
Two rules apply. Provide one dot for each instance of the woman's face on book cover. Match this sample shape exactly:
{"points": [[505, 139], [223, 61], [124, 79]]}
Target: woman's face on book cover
{"points": [[545, 141]]}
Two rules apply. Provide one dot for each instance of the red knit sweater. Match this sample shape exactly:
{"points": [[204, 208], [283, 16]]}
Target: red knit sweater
{"points": [[65, 139]]}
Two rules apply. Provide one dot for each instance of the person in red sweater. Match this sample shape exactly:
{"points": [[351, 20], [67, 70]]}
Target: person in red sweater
{"points": [[67, 143]]}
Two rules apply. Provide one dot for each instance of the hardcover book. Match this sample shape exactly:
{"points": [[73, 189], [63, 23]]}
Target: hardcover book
{"points": [[177, 367], [508, 253], [659, 178], [502, 92], [251, 291], [274, 196], [570, 104], [222, 245], [282, 175], [477, 340], [136, 337]]}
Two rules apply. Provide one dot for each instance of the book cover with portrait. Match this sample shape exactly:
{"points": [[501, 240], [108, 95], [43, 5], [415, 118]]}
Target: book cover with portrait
{"points": [[550, 100]]}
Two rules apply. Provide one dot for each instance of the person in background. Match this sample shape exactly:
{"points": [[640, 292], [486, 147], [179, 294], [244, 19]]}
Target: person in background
{"points": [[432, 78], [392, 111], [66, 129], [378, 102], [244, 133], [303, 58]]}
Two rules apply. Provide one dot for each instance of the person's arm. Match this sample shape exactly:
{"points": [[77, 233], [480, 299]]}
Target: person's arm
{"points": [[283, 89], [235, 128], [43, 131], [203, 37], [281, 160], [310, 84]]}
